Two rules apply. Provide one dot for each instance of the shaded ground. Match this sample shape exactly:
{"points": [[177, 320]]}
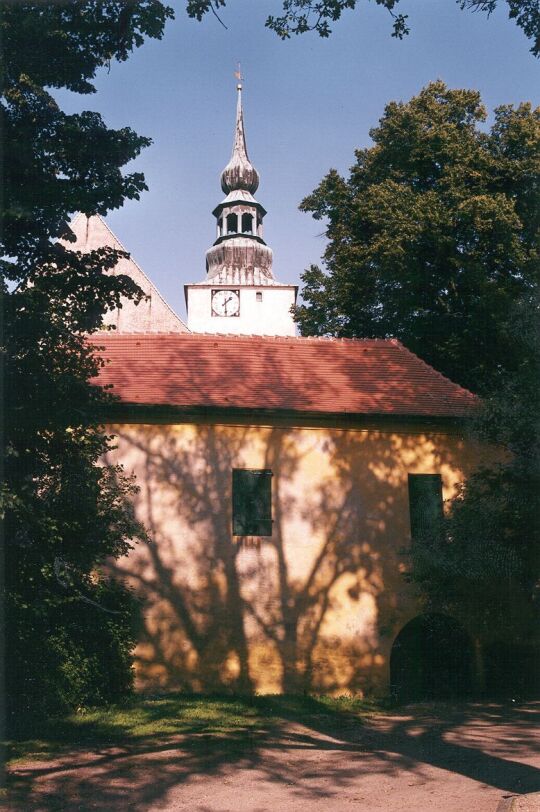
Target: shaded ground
{"points": [[282, 754]]}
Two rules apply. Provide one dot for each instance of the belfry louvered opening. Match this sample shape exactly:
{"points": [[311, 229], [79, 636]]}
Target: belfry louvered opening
{"points": [[247, 224], [232, 223]]}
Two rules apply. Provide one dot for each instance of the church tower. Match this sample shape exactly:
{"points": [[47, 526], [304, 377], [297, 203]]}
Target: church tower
{"points": [[240, 293]]}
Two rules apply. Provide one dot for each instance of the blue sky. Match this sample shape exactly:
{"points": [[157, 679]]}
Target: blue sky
{"points": [[308, 103]]}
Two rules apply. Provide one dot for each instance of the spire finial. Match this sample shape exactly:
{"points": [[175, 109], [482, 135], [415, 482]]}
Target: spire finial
{"points": [[239, 172]]}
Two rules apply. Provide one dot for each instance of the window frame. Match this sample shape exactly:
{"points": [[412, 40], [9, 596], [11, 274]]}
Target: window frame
{"points": [[250, 517], [423, 530]]}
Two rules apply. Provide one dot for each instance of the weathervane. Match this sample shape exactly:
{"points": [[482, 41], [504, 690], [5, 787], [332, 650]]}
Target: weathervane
{"points": [[238, 75]]}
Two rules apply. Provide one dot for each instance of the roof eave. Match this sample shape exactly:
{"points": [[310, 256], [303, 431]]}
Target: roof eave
{"points": [[238, 202], [127, 410]]}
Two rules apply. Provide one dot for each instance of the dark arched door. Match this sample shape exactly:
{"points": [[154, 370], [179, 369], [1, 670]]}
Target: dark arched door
{"points": [[431, 659]]}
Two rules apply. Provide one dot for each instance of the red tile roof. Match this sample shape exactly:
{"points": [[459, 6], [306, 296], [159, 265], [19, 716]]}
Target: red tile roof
{"points": [[316, 375]]}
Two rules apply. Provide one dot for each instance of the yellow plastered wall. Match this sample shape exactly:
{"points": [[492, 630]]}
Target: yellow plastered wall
{"points": [[316, 606]]}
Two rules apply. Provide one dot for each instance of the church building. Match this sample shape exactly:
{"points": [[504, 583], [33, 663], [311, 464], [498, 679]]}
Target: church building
{"points": [[282, 481]]}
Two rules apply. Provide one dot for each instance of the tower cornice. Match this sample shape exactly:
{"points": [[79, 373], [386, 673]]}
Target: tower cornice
{"points": [[251, 237], [231, 201]]}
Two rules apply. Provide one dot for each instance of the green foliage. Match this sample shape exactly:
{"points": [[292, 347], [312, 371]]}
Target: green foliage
{"points": [[526, 13], [487, 565], [55, 163], [432, 237], [301, 16], [151, 721], [65, 512], [63, 44], [84, 653]]}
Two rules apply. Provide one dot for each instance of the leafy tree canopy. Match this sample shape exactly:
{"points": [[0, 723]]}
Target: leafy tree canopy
{"points": [[64, 511], [486, 567], [433, 236], [300, 16], [56, 163]]}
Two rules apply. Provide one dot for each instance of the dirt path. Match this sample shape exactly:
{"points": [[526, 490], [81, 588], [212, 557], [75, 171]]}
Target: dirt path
{"points": [[436, 758]]}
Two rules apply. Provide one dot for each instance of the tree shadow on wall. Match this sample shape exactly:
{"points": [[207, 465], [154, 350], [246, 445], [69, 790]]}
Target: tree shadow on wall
{"points": [[309, 608]]}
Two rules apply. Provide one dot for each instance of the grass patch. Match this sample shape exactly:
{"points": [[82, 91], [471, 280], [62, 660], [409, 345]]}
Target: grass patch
{"points": [[143, 721]]}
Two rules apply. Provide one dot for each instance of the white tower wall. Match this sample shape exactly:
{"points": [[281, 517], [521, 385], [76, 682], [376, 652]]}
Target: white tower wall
{"points": [[267, 314]]}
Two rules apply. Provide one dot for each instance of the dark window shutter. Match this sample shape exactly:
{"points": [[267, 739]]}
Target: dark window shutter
{"points": [[425, 506], [252, 502]]}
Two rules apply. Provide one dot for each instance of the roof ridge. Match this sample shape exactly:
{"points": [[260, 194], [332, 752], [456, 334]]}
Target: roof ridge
{"points": [[236, 337]]}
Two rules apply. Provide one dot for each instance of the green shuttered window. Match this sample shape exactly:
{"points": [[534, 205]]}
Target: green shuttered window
{"points": [[425, 506], [252, 502]]}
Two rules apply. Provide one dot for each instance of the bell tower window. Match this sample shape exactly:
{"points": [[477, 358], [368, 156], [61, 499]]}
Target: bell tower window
{"points": [[232, 223], [247, 224]]}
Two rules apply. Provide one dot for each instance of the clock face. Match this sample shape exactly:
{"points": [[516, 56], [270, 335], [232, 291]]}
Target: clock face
{"points": [[225, 302]]}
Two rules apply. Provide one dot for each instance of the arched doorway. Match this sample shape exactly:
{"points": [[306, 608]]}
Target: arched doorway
{"points": [[431, 659]]}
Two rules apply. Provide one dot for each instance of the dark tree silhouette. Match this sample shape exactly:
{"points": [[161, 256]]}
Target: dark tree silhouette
{"points": [[68, 633]]}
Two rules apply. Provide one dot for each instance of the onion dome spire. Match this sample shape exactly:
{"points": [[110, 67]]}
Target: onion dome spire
{"points": [[239, 172]]}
